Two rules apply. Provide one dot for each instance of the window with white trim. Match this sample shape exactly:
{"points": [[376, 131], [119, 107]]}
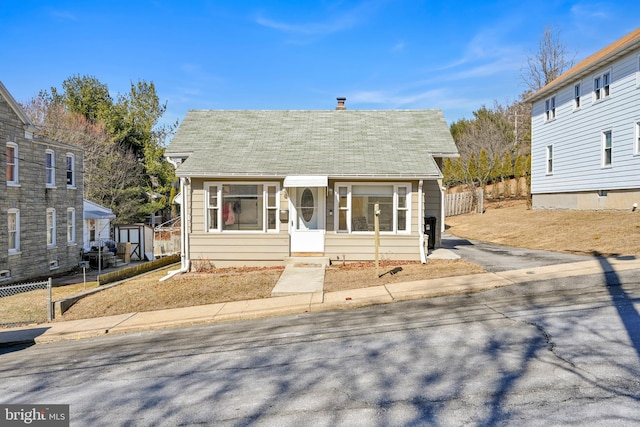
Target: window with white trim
{"points": [[50, 168], [91, 224], [51, 227], [576, 96], [342, 194], [251, 207], [636, 145], [601, 86], [550, 108], [356, 207], [14, 230], [71, 225], [607, 148], [11, 156], [70, 166], [549, 159]]}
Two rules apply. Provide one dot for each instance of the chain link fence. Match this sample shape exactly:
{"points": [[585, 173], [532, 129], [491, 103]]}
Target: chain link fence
{"points": [[25, 303]]}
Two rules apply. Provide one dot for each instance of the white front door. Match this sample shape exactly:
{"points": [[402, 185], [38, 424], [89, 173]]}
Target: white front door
{"points": [[307, 207]]}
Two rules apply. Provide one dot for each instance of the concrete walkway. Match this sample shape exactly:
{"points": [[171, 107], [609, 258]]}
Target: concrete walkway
{"points": [[302, 275], [302, 303]]}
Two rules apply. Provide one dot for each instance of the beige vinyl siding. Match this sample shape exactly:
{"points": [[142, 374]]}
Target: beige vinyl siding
{"points": [[224, 250], [229, 248], [361, 247], [233, 248], [433, 205]]}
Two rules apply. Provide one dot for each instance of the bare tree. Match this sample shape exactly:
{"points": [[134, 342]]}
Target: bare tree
{"points": [[549, 62], [112, 175]]}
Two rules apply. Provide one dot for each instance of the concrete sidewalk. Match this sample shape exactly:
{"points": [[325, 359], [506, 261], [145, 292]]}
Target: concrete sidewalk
{"points": [[302, 303]]}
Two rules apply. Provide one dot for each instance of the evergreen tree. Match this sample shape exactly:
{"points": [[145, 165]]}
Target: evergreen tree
{"points": [[507, 173], [484, 168], [472, 170], [459, 170], [518, 172], [125, 167], [527, 171], [448, 173]]}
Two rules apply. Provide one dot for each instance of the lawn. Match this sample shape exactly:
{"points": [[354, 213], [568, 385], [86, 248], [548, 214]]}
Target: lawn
{"points": [[509, 223]]}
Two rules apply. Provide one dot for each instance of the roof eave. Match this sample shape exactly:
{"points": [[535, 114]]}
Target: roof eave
{"points": [[581, 72], [331, 176]]}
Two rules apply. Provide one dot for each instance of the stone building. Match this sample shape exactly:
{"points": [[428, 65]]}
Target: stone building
{"points": [[41, 202]]}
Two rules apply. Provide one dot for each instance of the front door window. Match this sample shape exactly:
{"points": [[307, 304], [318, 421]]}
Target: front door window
{"points": [[307, 205]]}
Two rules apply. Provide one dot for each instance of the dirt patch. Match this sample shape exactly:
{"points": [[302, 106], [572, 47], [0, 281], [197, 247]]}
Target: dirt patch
{"points": [[582, 232], [147, 293], [361, 275]]}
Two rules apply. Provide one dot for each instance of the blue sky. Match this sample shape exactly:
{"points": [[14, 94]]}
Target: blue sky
{"points": [[380, 54]]}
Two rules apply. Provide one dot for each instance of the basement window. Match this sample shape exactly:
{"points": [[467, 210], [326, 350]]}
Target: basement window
{"points": [[5, 275]]}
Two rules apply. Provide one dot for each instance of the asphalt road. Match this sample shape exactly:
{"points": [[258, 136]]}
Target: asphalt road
{"points": [[563, 352]]}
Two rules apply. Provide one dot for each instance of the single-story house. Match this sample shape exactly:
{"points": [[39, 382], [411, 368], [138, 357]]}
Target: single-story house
{"points": [[97, 224], [258, 187]]}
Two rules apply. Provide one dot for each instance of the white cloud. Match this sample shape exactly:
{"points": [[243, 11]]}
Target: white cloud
{"points": [[398, 99], [399, 47], [342, 21], [591, 11], [63, 15]]}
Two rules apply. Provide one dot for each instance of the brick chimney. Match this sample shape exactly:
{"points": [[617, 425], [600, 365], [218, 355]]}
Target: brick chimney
{"points": [[341, 101]]}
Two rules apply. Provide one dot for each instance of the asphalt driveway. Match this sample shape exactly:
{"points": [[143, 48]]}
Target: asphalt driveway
{"points": [[495, 258]]}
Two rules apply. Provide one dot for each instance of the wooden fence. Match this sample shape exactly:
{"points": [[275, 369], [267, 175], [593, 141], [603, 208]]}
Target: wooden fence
{"points": [[462, 203]]}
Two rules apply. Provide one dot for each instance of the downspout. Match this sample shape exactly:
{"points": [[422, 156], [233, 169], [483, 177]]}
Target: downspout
{"points": [[423, 255], [184, 247]]}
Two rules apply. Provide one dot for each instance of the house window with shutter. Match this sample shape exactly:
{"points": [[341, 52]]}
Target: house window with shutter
{"points": [[602, 86], [550, 108]]}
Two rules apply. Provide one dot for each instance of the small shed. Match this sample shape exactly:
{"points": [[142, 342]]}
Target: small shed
{"points": [[141, 238]]}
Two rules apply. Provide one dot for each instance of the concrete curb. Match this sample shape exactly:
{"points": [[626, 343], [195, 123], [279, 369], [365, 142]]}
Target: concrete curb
{"points": [[303, 303]]}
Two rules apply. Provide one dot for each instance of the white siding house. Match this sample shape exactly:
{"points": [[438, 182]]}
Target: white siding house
{"points": [[585, 139], [97, 224]]}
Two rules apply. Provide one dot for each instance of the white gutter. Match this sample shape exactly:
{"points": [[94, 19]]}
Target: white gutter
{"points": [[184, 247], [423, 256]]}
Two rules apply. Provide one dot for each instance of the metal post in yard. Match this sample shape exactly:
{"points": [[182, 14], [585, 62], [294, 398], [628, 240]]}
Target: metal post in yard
{"points": [[99, 256], [49, 302], [376, 224]]}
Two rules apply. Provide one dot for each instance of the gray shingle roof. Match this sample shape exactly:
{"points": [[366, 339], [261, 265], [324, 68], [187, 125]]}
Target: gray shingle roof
{"points": [[352, 143]]}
